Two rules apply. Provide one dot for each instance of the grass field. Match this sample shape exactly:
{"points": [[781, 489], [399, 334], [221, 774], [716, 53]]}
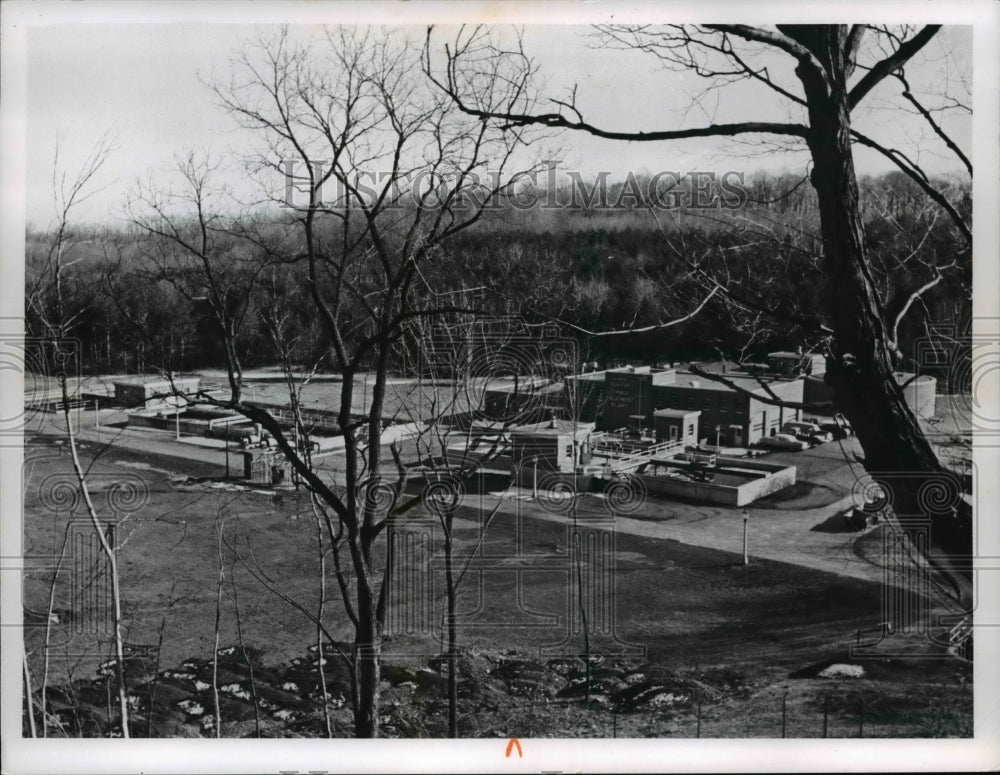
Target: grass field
{"points": [[686, 613]]}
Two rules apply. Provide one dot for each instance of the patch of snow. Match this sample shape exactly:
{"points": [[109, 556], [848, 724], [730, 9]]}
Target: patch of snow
{"points": [[666, 698], [201, 686], [236, 690], [842, 671], [191, 707], [175, 674], [290, 686], [284, 714]]}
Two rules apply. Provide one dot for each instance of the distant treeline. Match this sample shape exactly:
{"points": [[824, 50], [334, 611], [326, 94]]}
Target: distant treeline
{"points": [[615, 265]]}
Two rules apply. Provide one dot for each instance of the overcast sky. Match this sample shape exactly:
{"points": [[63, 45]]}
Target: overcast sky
{"points": [[145, 82]]}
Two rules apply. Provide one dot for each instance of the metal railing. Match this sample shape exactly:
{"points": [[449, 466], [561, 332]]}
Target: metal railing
{"points": [[624, 462]]}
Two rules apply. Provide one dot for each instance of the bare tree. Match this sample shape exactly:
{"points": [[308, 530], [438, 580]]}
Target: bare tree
{"points": [[200, 247], [836, 67], [56, 318], [381, 171]]}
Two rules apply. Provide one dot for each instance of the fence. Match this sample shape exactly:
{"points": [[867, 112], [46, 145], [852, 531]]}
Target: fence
{"points": [[798, 713]]}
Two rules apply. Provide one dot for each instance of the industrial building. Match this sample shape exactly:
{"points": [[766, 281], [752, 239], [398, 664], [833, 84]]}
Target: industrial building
{"points": [[152, 392], [730, 416], [629, 393], [668, 400]]}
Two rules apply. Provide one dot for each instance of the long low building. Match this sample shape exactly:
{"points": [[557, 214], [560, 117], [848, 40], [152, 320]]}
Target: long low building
{"points": [[146, 392], [735, 414]]}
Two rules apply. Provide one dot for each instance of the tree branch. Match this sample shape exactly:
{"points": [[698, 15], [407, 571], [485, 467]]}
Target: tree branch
{"points": [[892, 62]]}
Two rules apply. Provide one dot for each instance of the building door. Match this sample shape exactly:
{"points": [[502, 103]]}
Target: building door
{"points": [[738, 437], [673, 433]]}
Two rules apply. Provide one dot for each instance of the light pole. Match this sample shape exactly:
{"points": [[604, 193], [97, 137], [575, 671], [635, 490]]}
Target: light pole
{"points": [[746, 519], [718, 432]]}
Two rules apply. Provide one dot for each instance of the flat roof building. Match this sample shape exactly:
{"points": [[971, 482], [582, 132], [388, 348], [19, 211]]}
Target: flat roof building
{"points": [[149, 391], [628, 391], [554, 445], [731, 416]]}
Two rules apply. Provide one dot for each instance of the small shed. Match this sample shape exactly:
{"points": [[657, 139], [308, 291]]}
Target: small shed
{"points": [[676, 425], [557, 445]]}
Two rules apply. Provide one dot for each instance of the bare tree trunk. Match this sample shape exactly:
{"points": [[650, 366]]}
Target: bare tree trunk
{"points": [[218, 621], [48, 632], [861, 370], [29, 697], [452, 626], [367, 654], [109, 554]]}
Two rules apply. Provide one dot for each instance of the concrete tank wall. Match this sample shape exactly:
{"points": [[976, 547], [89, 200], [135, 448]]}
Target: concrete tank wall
{"points": [[776, 477], [920, 394]]}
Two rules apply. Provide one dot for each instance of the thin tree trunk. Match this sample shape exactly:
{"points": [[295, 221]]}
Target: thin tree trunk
{"points": [[215, 651], [109, 554], [243, 650], [48, 632], [29, 697], [367, 649], [452, 626]]}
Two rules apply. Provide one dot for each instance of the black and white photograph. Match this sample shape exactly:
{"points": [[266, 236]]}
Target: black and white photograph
{"points": [[565, 388]]}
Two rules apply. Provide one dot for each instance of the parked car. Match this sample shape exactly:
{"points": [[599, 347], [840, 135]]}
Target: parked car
{"points": [[784, 441], [797, 427], [859, 518], [839, 428]]}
